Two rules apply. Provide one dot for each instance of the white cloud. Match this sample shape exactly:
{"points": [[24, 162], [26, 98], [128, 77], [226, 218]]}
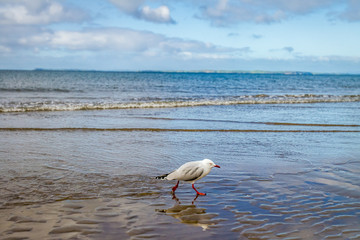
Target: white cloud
{"points": [[93, 40], [28, 31], [159, 15], [121, 40], [37, 12], [136, 9]]}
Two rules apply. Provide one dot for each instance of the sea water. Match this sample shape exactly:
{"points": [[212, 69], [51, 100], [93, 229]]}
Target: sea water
{"points": [[288, 146]]}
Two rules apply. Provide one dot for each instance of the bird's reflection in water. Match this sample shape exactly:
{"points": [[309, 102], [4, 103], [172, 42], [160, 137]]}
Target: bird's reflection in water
{"points": [[178, 201], [190, 214]]}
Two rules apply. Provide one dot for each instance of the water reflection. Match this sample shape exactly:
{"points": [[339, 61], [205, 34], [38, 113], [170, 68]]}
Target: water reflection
{"points": [[190, 214], [178, 201]]}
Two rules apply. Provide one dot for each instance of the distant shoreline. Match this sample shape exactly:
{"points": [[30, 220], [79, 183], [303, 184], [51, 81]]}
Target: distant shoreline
{"points": [[186, 71]]}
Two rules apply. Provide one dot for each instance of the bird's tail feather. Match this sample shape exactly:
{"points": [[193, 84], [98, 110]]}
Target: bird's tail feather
{"points": [[162, 176]]}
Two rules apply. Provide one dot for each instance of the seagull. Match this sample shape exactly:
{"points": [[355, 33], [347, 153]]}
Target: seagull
{"points": [[190, 172]]}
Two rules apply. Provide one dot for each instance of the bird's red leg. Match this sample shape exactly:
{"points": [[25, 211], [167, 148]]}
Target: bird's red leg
{"points": [[175, 187], [197, 195], [203, 194]]}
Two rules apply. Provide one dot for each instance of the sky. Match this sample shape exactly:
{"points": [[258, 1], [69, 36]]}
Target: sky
{"points": [[320, 36]]}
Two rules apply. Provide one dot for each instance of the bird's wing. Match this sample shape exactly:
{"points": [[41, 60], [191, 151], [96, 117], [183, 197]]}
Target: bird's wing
{"points": [[188, 172], [194, 174]]}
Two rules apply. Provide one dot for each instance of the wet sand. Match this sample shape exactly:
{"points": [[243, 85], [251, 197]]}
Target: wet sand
{"points": [[71, 179], [316, 204]]}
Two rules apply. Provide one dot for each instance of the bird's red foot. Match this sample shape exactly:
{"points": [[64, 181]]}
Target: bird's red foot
{"points": [[199, 193]]}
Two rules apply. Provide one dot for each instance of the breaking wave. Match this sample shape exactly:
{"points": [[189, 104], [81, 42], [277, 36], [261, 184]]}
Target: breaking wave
{"points": [[174, 103]]}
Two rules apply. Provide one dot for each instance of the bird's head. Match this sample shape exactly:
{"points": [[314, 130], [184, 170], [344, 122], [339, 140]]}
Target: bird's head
{"points": [[210, 163]]}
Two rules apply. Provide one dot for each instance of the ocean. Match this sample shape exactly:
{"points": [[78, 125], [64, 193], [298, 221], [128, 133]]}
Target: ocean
{"points": [[79, 152]]}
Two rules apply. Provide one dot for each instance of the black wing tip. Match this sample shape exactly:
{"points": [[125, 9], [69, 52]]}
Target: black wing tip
{"points": [[162, 176]]}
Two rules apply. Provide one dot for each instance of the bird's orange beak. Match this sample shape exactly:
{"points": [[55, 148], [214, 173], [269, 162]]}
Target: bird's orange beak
{"points": [[217, 166]]}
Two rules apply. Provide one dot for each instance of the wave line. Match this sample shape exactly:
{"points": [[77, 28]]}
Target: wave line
{"points": [[172, 130], [309, 124], [266, 123], [176, 103]]}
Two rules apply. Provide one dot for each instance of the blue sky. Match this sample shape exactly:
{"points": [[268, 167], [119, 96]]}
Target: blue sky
{"points": [[269, 35]]}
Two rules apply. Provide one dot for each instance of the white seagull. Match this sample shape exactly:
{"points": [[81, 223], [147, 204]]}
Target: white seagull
{"points": [[190, 172]]}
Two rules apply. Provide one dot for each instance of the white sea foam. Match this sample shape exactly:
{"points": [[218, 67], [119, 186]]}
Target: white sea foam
{"points": [[246, 99]]}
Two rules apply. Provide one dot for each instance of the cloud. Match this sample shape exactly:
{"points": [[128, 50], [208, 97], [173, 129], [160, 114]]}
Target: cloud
{"points": [[284, 49], [288, 49], [351, 13], [136, 9], [229, 12], [257, 36], [159, 15], [27, 29], [129, 7], [10, 35], [102, 39], [37, 12], [121, 40], [224, 13], [330, 58]]}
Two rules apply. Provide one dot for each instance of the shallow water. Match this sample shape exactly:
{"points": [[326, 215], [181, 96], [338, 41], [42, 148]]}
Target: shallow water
{"points": [[288, 171]]}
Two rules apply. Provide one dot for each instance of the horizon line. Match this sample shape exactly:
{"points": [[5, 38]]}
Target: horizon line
{"points": [[285, 72]]}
